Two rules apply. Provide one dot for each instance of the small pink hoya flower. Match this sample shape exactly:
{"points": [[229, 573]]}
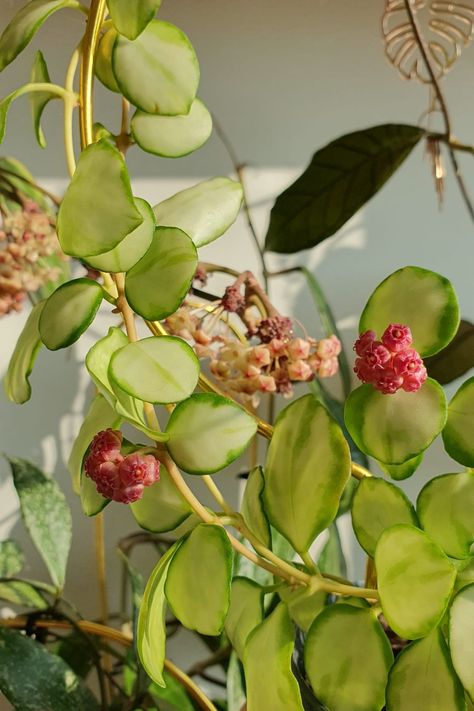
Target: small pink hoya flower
{"points": [[122, 479], [389, 364]]}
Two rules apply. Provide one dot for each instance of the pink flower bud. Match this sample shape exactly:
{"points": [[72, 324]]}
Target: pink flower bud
{"points": [[251, 371], [397, 337], [363, 342], [376, 355], [328, 367], [267, 383], [414, 380], [259, 356], [329, 347], [298, 348], [278, 348], [406, 362], [233, 301], [299, 370], [388, 382]]}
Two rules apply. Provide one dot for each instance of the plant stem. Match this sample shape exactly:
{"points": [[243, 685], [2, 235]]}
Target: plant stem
{"points": [[216, 493], [96, 16], [309, 562], [69, 113], [102, 583]]}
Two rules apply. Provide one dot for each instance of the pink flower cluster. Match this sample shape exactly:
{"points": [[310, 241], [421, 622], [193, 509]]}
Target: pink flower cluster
{"points": [[390, 364], [116, 477]]}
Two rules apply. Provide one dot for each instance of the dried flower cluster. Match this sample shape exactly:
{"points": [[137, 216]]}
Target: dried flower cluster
{"points": [[27, 242]]}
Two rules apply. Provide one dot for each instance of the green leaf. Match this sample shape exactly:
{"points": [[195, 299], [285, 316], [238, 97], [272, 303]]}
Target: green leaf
{"points": [[332, 559], [204, 212], [151, 629], [465, 574], [19, 180], [172, 694], [159, 282], [235, 687], [199, 577], [445, 507], [92, 502], [415, 580], [162, 508], [308, 465], [69, 312], [39, 100], [32, 678], [376, 506], [46, 516], [252, 508], [340, 179], [22, 593], [11, 559], [207, 432], [16, 382], [132, 248], [131, 19], [88, 226], [304, 604], [172, 136], [159, 369], [25, 24], [103, 61], [457, 434], [395, 428], [402, 471], [461, 636], [356, 634], [456, 358], [158, 72], [245, 611], [421, 299], [423, 678], [267, 664]]}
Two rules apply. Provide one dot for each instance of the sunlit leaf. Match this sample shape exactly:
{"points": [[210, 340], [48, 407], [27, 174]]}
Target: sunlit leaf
{"points": [[103, 61], [245, 612], [130, 19], [252, 508], [16, 382], [161, 508], [39, 100], [304, 605], [402, 471], [461, 637]]}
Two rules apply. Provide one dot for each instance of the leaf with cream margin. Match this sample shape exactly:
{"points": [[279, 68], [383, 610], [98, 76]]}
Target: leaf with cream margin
{"points": [[69, 312], [16, 382]]}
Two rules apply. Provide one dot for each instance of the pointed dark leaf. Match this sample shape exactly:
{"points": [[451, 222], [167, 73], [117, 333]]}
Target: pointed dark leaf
{"points": [[456, 359]]}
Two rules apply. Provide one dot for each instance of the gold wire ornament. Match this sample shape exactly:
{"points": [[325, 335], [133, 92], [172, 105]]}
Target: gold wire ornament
{"points": [[447, 27]]}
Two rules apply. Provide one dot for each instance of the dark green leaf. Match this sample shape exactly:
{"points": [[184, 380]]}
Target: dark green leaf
{"points": [[11, 559], [456, 359], [172, 694], [77, 652], [340, 179]]}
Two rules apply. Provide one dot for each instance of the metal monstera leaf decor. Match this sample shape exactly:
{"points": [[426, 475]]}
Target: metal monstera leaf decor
{"points": [[447, 27]]}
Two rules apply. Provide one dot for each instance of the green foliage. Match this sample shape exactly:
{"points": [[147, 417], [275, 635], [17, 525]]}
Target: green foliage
{"points": [[11, 559], [16, 383], [457, 434], [456, 358], [131, 20], [22, 593], [39, 100], [461, 634], [69, 312], [162, 508], [245, 612], [252, 507]]}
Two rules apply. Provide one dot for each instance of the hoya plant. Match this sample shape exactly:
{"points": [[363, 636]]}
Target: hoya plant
{"points": [[182, 378]]}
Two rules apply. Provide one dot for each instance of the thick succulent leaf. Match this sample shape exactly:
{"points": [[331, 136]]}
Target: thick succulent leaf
{"points": [[245, 612], [173, 695], [445, 508], [159, 282], [22, 593], [16, 382], [132, 248], [158, 72], [160, 369], [252, 508], [376, 506], [103, 60], [415, 580], [207, 432], [151, 628], [461, 637], [308, 464], [395, 428], [162, 508], [465, 575], [11, 559], [39, 100], [172, 136], [32, 678], [204, 211], [88, 226], [456, 359], [421, 299], [5, 104], [304, 605], [402, 471], [25, 24], [92, 502], [267, 664], [46, 516], [69, 312], [131, 19], [340, 179], [457, 434], [356, 634], [332, 559], [423, 678], [199, 578]]}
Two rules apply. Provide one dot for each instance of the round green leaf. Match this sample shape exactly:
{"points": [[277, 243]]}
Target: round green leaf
{"points": [[245, 611], [338, 639], [204, 211], [267, 665], [160, 369], [402, 471], [87, 225], [457, 434], [415, 580], [132, 248], [308, 464], [461, 637], [376, 506], [418, 298], [199, 578], [423, 678], [207, 432], [395, 428], [445, 507], [465, 574], [172, 136], [130, 19], [252, 507], [158, 72], [103, 60], [158, 283], [16, 383], [304, 604], [69, 312], [161, 508]]}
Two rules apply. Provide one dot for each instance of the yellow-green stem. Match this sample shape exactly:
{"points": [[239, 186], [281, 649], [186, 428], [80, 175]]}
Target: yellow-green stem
{"points": [[69, 114]]}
